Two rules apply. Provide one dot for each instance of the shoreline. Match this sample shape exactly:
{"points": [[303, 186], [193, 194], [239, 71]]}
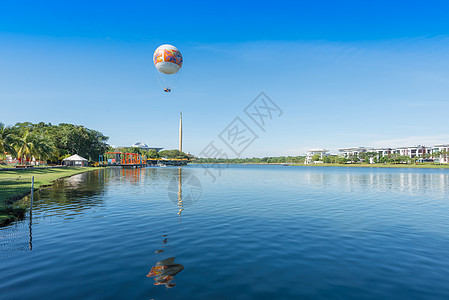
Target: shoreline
{"points": [[398, 166], [408, 166], [11, 209], [239, 163]]}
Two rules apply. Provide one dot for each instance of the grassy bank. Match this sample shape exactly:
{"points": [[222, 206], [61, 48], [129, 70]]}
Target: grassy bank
{"points": [[8, 166], [16, 184], [417, 166]]}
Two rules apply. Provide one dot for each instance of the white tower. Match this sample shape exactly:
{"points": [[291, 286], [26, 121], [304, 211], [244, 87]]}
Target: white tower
{"points": [[180, 131]]}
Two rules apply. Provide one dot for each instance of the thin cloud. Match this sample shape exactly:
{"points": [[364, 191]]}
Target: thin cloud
{"points": [[413, 141]]}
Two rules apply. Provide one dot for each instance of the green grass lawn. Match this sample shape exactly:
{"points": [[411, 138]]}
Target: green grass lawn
{"points": [[6, 166], [16, 184], [2, 166]]}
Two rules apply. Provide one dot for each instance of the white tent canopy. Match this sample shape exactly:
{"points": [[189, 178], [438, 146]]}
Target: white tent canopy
{"points": [[75, 157], [75, 160]]}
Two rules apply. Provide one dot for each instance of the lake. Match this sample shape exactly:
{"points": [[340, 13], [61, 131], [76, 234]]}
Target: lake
{"points": [[233, 232]]}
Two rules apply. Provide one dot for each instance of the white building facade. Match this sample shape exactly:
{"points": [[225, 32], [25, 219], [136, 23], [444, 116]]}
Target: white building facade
{"points": [[349, 152], [437, 153], [441, 153], [416, 151], [312, 152], [381, 152]]}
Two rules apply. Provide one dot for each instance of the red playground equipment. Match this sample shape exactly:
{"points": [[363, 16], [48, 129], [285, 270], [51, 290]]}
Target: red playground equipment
{"points": [[121, 159]]}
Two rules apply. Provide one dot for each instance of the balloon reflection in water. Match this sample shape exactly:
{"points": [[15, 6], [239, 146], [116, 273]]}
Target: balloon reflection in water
{"points": [[164, 272]]}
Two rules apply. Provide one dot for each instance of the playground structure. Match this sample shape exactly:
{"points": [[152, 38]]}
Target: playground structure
{"points": [[136, 160], [121, 159]]}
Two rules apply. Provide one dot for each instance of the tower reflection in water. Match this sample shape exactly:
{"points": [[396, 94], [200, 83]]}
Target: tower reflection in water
{"points": [[180, 203], [187, 197], [164, 271]]}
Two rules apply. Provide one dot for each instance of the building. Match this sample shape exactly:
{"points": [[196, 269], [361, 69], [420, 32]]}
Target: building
{"points": [[441, 153], [349, 152], [415, 151], [145, 147], [312, 152], [381, 152], [437, 153]]}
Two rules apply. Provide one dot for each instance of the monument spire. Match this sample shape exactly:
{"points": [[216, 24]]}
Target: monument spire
{"points": [[180, 131]]}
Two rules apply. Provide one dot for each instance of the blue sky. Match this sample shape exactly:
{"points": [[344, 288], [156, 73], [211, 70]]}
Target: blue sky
{"points": [[345, 73]]}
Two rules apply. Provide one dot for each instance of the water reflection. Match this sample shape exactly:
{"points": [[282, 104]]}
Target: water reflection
{"points": [[164, 271], [413, 183], [132, 176], [15, 238], [180, 202], [192, 191], [115, 175], [30, 242], [72, 195]]}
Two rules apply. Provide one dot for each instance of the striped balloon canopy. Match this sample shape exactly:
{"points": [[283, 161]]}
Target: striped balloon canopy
{"points": [[167, 59]]}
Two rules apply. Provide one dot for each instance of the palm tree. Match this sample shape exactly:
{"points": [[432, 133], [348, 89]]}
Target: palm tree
{"points": [[45, 149], [371, 155], [7, 140], [445, 154], [394, 157], [25, 146], [434, 155]]}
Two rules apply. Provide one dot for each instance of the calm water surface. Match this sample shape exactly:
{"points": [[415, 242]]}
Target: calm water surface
{"points": [[244, 232]]}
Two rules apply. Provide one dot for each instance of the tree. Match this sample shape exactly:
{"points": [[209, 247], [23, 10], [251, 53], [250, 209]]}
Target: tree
{"points": [[54, 142], [342, 160], [152, 154], [363, 157], [393, 157], [403, 159], [77, 139], [353, 158], [25, 146], [136, 150], [316, 157], [370, 155], [7, 140], [445, 154], [442, 154], [435, 155], [45, 149], [173, 154]]}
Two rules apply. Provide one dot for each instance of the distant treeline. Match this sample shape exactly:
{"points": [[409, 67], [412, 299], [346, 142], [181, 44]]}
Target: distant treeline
{"points": [[254, 160], [152, 153]]}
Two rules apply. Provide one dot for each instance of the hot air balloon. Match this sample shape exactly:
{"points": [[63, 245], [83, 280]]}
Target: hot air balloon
{"points": [[168, 61]]}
